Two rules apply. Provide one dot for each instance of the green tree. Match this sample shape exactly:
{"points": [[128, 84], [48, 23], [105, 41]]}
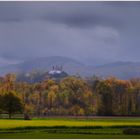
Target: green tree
{"points": [[12, 103]]}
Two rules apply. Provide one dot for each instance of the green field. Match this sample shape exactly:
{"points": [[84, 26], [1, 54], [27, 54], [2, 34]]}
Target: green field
{"points": [[106, 127]]}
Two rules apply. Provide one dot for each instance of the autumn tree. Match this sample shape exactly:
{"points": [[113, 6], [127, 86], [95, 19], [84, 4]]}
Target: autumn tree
{"points": [[105, 93], [135, 92], [121, 91], [1, 104], [78, 94]]}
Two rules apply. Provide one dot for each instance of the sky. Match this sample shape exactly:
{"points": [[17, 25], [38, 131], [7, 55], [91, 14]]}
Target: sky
{"points": [[91, 32]]}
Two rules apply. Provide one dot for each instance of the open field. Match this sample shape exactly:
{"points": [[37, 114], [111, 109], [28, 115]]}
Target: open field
{"points": [[106, 127]]}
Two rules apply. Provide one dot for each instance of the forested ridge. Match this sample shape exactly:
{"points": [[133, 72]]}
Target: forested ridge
{"points": [[71, 95]]}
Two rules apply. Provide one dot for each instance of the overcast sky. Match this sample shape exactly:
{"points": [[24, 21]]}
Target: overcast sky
{"points": [[91, 32]]}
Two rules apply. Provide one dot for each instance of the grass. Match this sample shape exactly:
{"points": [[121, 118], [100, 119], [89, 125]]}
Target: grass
{"points": [[68, 128], [6, 123], [41, 135], [38, 135]]}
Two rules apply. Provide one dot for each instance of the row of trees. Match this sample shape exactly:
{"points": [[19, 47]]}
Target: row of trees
{"points": [[70, 96]]}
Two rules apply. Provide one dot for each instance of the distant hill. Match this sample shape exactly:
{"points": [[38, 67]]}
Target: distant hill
{"points": [[37, 76], [71, 66], [122, 70]]}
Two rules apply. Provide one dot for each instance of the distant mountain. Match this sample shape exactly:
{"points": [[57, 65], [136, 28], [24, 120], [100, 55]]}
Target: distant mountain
{"points": [[45, 64], [122, 70]]}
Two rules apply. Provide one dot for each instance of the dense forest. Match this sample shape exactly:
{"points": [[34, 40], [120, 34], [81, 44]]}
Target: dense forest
{"points": [[71, 95]]}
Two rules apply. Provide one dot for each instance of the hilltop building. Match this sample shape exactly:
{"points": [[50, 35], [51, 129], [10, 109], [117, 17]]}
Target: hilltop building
{"points": [[57, 73], [56, 70]]}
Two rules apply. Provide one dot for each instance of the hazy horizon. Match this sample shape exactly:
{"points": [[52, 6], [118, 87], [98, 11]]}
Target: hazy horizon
{"points": [[93, 33]]}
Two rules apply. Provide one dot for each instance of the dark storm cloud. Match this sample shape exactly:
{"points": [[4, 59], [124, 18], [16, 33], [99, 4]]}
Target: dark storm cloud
{"points": [[9, 12], [70, 13], [86, 31], [124, 4], [84, 20]]}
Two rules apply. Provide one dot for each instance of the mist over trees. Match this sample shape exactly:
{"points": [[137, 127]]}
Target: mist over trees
{"points": [[72, 95]]}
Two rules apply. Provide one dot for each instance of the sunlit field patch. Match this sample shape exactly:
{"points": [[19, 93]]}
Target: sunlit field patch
{"points": [[74, 128], [5, 123]]}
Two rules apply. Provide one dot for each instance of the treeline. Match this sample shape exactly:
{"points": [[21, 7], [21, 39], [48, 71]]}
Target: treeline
{"points": [[70, 96]]}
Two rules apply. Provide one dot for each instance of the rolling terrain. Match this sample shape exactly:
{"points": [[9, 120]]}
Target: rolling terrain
{"points": [[122, 70]]}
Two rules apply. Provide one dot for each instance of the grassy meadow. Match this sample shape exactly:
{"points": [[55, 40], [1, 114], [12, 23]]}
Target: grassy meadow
{"points": [[105, 127]]}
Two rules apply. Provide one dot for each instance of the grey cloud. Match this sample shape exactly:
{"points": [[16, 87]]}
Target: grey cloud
{"points": [[87, 31], [84, 20], [31, 39], [79, 14], [124, 4]]}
